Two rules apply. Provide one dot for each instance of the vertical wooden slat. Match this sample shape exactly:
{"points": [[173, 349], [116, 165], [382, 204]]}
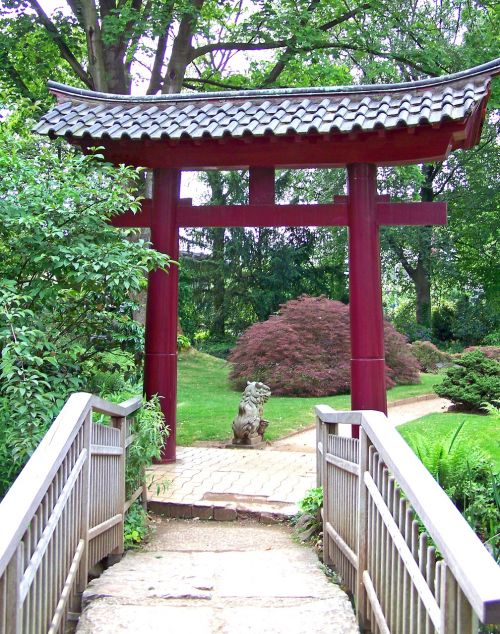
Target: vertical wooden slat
{"points": [[13, 607], [82, 576], [448, 602], [361, 599]]}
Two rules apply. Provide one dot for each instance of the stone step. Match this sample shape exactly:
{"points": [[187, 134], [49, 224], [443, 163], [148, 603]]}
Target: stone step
{"points": [[208, 577]]}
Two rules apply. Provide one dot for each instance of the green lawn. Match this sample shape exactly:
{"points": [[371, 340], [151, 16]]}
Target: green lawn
{"points": [[479, 430], [206, 405]]}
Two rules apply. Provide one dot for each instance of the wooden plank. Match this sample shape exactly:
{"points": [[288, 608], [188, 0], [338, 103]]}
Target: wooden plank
{"points": [[133, 498], [66, 591], [113, 409], [472, 566], [104, 526], [105, 450], [347, 551], [375, 605], [29, 488], [360, 594], [328, 415], [51, 525], [345, 465], [405, 553]]}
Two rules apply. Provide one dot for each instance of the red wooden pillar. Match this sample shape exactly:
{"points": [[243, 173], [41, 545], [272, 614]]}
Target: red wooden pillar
{"points": [[160, 369], [365, 292]]}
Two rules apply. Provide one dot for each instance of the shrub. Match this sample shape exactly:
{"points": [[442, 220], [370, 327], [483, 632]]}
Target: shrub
{"points": [[492, 352], [429, 357], [473, 381], [305, 351], [442, 322]]}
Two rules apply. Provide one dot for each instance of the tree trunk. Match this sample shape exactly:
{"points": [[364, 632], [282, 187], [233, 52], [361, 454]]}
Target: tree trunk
{"points": [[217, 330], [422, 272]]}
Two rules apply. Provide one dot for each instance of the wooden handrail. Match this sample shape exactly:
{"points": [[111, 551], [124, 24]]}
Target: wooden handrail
{"points": [[472, 566], [24, 496], [465, 557]]}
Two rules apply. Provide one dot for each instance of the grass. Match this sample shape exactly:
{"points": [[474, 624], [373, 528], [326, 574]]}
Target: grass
{"points": [[206, 405], [480, 430]]}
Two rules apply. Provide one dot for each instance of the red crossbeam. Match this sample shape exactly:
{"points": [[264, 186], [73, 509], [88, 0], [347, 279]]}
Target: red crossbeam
{"points": [[272, 215]]}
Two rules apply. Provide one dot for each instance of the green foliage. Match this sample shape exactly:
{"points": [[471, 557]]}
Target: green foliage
{"points": [[151, 431], [308, 522], [67, 277], [183, 342], [312, 502], [403, 319], [466, 475], [473, 381], [430, 358], [136, 525]]}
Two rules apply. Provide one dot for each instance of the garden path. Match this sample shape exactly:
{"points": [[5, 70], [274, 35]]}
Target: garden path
{"points": [[217, 577], [398, 413]]}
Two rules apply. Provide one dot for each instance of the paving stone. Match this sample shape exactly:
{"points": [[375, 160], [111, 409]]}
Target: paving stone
{"points": [[225, 514], [211, 577]]}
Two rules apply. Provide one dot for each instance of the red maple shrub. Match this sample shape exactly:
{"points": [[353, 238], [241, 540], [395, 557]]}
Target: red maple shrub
{"points": [[305, 351]]}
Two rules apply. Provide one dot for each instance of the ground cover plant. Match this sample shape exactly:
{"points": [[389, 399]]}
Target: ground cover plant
{"points": [[206, 405], [462, 452], [304, 350], [473, 381]]}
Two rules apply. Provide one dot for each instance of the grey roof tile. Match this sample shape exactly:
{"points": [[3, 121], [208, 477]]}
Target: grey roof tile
{"points": [[278, 112]]}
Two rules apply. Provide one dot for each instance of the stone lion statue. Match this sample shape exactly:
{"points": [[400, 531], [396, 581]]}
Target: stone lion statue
{"points": [[249, 426]]}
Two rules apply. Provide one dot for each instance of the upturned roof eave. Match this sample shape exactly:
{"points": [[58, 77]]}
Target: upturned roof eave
{"points": [[490, 69]]}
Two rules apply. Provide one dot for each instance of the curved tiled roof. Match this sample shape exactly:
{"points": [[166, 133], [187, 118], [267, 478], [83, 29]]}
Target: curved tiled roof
{"points": [[82, 113]]}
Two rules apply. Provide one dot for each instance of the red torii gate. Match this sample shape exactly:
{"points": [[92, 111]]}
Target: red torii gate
{"points": [[360, 127]]}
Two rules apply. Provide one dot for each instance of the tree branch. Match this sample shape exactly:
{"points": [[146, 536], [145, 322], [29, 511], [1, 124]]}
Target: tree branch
{"points": [[61, 44]]}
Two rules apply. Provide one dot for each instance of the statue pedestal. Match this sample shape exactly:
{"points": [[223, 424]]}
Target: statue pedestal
{"points": [[256, 442]]}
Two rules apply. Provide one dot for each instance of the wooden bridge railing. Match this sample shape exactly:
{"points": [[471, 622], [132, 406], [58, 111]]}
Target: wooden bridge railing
{"points": [[62, 515], [381, 510]]}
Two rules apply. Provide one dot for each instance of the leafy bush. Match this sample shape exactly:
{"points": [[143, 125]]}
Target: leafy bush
{"points": [[429, 357], [308, 522], [442, 322], [305, 351], [67, 279], [473, 381], [403, 319], [136, 525], [493, 339]]}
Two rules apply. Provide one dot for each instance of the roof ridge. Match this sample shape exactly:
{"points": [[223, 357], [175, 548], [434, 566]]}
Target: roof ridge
{"points": [[491, 69]]}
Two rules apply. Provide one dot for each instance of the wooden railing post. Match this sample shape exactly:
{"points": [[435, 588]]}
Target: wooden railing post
{"points": [[121, 424], [83, 572], [13, 606], [361, 599], [326, 495]]}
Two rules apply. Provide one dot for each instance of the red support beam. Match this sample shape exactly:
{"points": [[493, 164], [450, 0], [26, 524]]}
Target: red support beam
{"points": [[160, 366], [411, 213], [261, 185], [365, 293], [271, 215], [263, 215]]}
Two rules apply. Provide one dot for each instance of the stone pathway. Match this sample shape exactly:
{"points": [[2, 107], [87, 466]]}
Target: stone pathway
{"points": [[208, 577], [221, 484]]}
